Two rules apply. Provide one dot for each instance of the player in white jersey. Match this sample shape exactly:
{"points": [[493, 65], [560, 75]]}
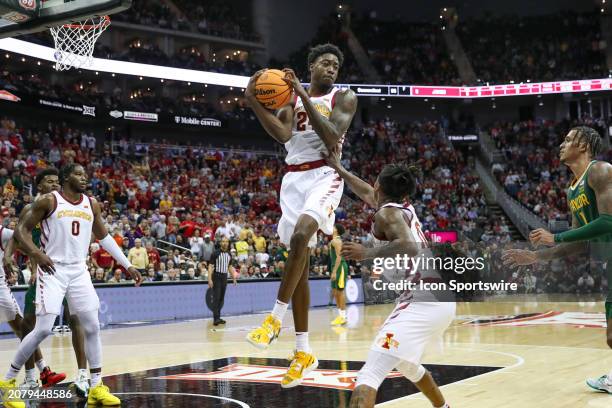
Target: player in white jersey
{"points": [[68, 219], [47, 180], [420, 317], [313, 123]]}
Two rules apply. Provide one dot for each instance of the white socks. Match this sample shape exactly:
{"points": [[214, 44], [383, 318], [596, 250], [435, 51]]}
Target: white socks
{"points": [[12, 373], [279, 310], [301, 342], [445, 405], [342, 313], [96, 378], [41, 365], [30, 374]]}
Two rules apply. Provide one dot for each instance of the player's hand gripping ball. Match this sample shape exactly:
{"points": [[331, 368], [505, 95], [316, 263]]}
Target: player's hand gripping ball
{"points": [[271, 90]]}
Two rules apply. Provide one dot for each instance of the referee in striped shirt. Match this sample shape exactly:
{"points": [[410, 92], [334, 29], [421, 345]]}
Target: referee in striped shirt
{"points": [[220, 265]]}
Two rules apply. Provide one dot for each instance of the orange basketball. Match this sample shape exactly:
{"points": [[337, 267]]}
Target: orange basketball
{"points": [[271, 90]]}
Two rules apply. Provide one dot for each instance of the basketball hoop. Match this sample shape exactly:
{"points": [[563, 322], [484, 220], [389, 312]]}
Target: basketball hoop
{"points": [[74, 43]]}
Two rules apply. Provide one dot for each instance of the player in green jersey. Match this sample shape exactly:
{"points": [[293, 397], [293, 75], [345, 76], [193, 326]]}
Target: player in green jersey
{"points": [[338, 272], [47, 181], [590, 201]]}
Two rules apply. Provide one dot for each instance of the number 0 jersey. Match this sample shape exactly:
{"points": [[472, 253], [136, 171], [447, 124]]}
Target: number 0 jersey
{"points": [[305, 145], [66, 231]]}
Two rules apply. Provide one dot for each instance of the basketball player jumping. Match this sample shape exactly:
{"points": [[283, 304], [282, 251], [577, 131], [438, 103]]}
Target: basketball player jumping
{"points": [[419, 316], [339, 273], [314, 122], [67, 220], [46, 181], [590, 201]]}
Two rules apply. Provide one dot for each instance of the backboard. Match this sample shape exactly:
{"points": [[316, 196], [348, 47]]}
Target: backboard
{"points": [[29, 16]]}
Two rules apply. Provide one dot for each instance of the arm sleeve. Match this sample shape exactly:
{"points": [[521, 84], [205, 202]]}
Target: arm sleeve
{"points": [[594, 229], [7, 234], [111, 246]]}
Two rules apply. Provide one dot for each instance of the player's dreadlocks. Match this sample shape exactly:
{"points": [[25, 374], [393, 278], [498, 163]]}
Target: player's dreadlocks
{"points": [[399, 181], [591, 137], [318, 50], [49, 171]]}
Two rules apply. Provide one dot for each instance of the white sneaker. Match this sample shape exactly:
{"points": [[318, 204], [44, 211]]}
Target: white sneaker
{"points": [[602, 384], [81, 385], [30, 384]]}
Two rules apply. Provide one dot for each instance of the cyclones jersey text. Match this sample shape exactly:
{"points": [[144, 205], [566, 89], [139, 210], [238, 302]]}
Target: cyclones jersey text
{"points": [[66, 232]]}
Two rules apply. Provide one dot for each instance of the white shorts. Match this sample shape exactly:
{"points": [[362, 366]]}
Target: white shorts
{"points": [[9, 309], [315, 192], [412, 327], [71, 281]]}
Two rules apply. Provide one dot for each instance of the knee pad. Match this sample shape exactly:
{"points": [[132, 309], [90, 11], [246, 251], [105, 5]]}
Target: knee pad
{"points": [[376, 369], [411, 371]]}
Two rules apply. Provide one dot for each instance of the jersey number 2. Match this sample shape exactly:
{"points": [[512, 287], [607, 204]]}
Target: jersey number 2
{"points": [[76, 228], [302, 120]]}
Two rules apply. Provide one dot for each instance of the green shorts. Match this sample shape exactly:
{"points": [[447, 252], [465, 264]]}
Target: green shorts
{"points": [[340, 282], [608, 310], [30, 301]]}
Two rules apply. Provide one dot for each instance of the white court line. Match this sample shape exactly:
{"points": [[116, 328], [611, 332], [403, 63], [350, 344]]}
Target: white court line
{"points": [[242, 404], [519, 361]]}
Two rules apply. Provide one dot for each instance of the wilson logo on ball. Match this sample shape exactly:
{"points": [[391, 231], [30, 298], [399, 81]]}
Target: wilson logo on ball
{"points": [[263, 92]]}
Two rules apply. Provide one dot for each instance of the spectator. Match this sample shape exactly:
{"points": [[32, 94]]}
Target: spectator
{"points": [[153, 256], [208, 248], [104, 260], [117, 277], [196, 242], [138, 256], [99, 276]]}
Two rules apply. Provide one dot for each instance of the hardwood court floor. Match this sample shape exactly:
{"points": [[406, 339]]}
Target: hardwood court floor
{"points": [[539, 360]]}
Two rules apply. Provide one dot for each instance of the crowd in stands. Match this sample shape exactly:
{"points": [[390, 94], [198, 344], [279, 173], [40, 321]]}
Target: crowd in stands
{"points": [[565, 45], [175, 204], [406, 52], [216, 18], [531, 171]]}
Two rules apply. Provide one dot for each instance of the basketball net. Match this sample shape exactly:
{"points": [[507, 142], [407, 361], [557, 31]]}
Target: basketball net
{"points": [[74, 43]]}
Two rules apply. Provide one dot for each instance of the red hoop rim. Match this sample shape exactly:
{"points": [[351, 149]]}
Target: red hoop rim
{"points": [[105, 22]]}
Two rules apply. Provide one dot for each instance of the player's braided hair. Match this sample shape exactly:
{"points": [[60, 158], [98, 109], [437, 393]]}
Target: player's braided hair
{"points": [[591, 137], [318, 50], [399, 181], [66, 171], [49, 171]]}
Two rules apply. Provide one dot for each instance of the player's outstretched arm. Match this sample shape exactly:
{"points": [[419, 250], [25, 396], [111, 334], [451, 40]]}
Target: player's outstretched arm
{"points": [[279, 126], [359, 187], [396, 230], [29, 219], [109, 244], [329, 130], [560, 250]]}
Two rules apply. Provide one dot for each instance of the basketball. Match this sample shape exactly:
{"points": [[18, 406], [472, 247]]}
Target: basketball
{"points": [[271, 90]]}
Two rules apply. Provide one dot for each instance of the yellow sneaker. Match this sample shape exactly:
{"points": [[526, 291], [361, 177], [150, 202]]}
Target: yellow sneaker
{"points": [[100, 395], [266, 334], [6, 386], [302, 364], [339, 321]]}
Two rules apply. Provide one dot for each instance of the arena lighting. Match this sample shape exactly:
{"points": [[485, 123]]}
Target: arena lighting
{"points": [[380, 90], [128, 68]]}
